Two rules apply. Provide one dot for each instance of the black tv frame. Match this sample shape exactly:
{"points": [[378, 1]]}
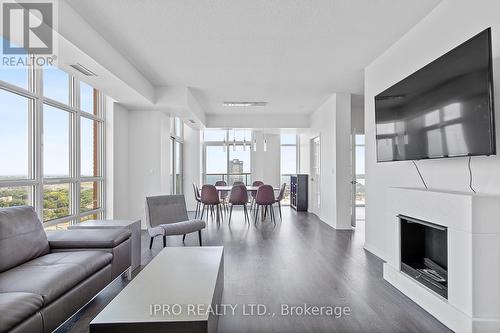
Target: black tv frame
{"points": [[491, 103]]}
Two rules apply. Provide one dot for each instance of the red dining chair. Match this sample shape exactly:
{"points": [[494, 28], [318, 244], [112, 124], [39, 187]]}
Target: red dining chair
{"points": [[265, 199], [254, 193], [210, 199], [223, 194], [197, 196], [239, 197], [280, 197]]}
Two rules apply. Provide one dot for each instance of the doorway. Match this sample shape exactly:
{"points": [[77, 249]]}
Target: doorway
{"points": [[316, 175], [358, 180]]}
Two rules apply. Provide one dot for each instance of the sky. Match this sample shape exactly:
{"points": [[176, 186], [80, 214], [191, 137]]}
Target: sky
{"points": [[14, 134]]}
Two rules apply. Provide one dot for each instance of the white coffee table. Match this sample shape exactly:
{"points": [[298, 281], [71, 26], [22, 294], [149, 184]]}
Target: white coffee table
{"points": [[178, 277], [133, 226]]}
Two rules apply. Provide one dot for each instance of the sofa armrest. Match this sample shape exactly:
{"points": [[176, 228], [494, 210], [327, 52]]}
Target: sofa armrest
{"points": [[87, 239], [115, 241]]}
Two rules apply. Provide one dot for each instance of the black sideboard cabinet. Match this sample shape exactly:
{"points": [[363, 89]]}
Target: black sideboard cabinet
{"points": [[298, 192]]}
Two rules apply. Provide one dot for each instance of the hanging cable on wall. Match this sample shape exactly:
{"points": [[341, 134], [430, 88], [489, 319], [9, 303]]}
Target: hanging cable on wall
{"points": [[420, 174], [470, 174]]}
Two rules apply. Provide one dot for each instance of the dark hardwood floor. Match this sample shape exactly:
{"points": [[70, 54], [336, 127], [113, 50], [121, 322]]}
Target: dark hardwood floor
{"points": [[300, 261]]}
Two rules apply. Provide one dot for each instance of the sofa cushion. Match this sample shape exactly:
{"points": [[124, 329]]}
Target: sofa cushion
{"points": [[53, 274], [83, 238], [21, 236], [16, 307]]}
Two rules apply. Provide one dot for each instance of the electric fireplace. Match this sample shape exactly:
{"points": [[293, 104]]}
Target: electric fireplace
{"points": [[424, 253]]}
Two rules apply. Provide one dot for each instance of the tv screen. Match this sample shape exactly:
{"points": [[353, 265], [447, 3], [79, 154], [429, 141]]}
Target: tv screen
{"points": [[443, 110]]}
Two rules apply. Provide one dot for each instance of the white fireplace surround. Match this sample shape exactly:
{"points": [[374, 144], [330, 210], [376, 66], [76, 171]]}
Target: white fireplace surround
{"points": [[473, 223]]}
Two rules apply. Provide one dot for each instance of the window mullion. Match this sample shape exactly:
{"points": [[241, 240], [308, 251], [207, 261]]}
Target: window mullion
{"points": [[75, 100], [37, 142]]}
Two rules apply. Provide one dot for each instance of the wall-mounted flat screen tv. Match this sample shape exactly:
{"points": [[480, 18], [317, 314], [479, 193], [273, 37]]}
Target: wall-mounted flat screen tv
{"points": [[445, 109]]}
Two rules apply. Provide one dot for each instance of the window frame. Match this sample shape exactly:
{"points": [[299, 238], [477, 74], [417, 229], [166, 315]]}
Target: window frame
{"points": [[174, 138], [229, 143], [36, 179], [297, 159]]}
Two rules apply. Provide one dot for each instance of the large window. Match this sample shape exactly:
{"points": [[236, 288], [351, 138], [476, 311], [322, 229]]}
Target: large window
{"points": [[176, 156], [289, 158], [227, 156], [51, 143]]}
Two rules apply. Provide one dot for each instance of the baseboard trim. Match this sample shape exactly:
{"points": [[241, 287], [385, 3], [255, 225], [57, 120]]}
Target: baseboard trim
{"points": [[374, 250]]}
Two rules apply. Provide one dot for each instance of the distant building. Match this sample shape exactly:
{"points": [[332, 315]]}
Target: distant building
{"points": [[236, 166]]}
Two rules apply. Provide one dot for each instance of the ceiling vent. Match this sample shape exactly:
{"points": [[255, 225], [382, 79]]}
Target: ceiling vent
{"points": [[82, 69], [244, 103]]}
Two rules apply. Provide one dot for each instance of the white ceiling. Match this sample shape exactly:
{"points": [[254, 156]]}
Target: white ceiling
{"points": [[289, 53]]}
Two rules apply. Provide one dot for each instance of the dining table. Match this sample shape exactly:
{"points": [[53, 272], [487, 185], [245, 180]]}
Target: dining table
{"points": [[228, 188], [249, 188]]}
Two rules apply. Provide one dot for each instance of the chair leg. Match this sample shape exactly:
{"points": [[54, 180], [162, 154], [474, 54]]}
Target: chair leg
{"points": [[151, 242], [279, 206], [273, 218], [230, 214], [197, 208], [256, 213], [246, 213], [164, 241], [183, 238], [199, 236], [202, 211]]}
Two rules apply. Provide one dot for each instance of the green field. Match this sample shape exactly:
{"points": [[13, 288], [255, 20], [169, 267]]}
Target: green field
{"points": [[56, 201]]}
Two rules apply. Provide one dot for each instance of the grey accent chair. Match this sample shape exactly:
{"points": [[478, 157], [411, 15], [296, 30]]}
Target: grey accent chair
{"points": [[166, 215]]}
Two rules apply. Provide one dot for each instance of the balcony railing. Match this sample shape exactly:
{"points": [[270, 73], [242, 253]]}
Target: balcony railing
{"points": [[211, 178]]}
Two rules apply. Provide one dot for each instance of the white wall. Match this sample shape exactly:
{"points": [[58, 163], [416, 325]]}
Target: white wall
{"points": [[304, 153], [448, 25], [192, 164], [332, 122], [358, 114], [117, 159], [258, 121], [266, 164], [149, 158]]}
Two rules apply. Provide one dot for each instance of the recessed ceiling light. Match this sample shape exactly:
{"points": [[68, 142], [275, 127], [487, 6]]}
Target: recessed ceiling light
{"points": [[244, 103]]}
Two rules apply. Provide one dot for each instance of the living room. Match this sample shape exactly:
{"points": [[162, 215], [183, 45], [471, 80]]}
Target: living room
{"points": [[256, 166]]}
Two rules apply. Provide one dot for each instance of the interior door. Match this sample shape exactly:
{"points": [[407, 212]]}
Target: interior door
{"points": [[316, 174]]}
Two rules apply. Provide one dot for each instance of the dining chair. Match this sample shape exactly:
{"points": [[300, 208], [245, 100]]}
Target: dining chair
{"points": [[239, 197], [210, 200], [197, 197], [280, 197], [238, 182], [223, 194], [166, 215], [265, 199], [254, 193]]}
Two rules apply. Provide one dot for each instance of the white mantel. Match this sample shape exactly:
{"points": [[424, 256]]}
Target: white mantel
{"points": [[473, 223]]}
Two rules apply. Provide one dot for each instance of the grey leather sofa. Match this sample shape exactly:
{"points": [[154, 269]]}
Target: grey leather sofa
{"points": [[46, 277]]}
